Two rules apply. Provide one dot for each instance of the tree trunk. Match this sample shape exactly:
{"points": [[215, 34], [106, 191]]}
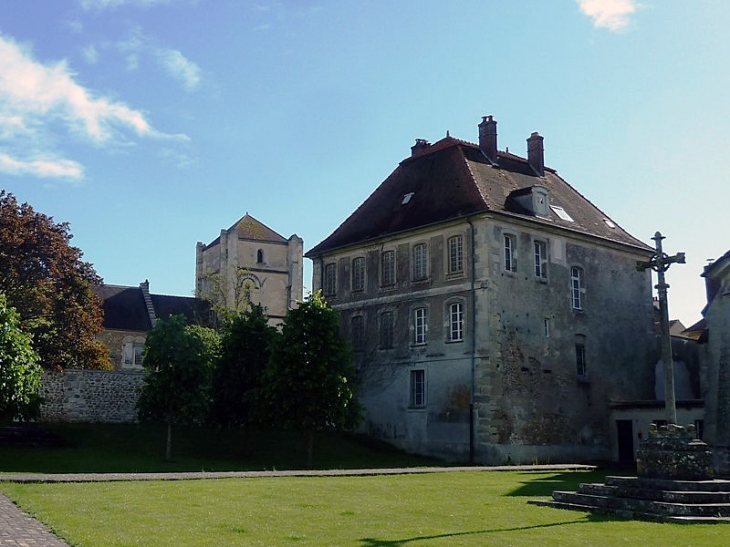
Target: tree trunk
{"points": [[168, 445], [310, 448]]}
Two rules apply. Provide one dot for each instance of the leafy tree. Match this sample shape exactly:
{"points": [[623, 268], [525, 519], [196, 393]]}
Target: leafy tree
{"points": [[44, 278], [179, 360], [20, 374], [309, 378], [245, 347]]}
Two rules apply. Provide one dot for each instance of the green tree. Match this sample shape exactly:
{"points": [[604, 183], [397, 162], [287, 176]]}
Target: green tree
{"points": [[309, 378], [20, 374], [245, 348], [44, 278], [179, 360]]}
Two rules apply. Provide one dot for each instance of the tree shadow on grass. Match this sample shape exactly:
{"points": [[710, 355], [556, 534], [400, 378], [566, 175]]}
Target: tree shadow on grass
{"points": [[372, 542], [544, 486]]}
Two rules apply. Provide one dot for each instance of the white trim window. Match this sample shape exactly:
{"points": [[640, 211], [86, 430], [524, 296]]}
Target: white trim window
{"points": [[418, 389], [510, 264], [420, 261], [132, 353], [541, 259], [358, 274], [387, 268], [456, 322], [330, 279], [420, 325], [577, 287], [456, 254]]}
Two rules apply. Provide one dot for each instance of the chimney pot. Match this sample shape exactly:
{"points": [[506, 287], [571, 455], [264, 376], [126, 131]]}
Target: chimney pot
{"points": [[536, 153], [488, 138], [421, 144]]}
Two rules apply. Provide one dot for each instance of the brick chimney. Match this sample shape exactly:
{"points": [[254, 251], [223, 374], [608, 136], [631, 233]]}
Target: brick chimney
{"points": [[488, 138], [421, 144], [536, 153]]}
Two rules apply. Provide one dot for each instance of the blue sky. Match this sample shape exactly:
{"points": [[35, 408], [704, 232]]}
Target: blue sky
{"points": [[150, 125]]}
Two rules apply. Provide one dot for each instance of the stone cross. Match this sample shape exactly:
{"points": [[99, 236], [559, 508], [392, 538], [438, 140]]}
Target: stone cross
{"points": [[660, 262]]}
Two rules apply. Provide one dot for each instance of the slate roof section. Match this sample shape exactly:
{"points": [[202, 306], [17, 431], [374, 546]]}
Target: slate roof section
{"points": [[124, 308], [452, 179], [249, 228]]}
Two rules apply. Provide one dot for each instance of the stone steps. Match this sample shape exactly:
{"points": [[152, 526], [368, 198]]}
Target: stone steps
{"points": [[665, 500]]}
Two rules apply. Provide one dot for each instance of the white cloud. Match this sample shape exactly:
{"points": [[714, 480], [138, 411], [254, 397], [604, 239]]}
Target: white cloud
{"points": [[610, 14], [42, 103], [44, 167], [179, 67]]}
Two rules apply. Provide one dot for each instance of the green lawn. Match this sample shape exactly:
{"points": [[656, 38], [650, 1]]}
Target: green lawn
{"points": [[445, 509]]}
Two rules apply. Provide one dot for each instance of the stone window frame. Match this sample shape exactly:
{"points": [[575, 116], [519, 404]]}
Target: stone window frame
{"points": [[540, 262], [420, 259], [132, 344], [386, 330], [455, 325], [357, 332], [417, 389], [455, 255], [329, 279], [581, 362], [419, 316], [509, 255], [388, 268], [577, 288], [358, 274]]}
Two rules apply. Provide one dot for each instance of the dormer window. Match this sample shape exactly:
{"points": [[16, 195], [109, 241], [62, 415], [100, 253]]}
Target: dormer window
{"points": [[540, 201], [407, 197]]}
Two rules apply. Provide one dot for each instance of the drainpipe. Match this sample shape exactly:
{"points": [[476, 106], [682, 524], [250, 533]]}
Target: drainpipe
{"points": [[473, 349]]}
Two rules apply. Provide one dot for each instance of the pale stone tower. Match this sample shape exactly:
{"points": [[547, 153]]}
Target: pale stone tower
{"points": [[251, 262]]}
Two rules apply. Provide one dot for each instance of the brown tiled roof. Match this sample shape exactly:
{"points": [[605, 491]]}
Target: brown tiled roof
{"points": [[248, 227], [452, 179]]}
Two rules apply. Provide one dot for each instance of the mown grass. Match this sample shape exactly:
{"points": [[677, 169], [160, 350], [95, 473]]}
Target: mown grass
{"points": [[140, 448], [472, 508]]}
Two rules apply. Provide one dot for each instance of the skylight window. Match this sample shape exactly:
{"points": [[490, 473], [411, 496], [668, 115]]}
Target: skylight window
{"points": [[609, 223], [407, 198], [558, 210]]}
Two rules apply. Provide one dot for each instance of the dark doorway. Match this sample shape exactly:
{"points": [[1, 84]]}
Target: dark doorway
{"points": [[625, 430]]}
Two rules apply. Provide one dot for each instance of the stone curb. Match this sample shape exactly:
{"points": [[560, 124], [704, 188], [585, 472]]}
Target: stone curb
{"points": [[203, 475]]}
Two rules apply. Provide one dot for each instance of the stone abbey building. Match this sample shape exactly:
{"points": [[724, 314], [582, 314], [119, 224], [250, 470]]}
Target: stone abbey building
{"points": [[494, 311]]}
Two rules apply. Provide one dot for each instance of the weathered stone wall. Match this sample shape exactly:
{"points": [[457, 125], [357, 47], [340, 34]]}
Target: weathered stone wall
{"points": [[91, 396]]}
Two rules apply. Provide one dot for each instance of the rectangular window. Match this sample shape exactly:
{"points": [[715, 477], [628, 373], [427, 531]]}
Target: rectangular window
{"points": [[576, 287], [386, 330], [357, 332], [132, 353], [541, 259], [546, 327], [420, 325], [387, 268], [580, 359], [509, 253], [418, 389], [420, 261], [456, 322], [456, 254], [330, 279], [358, 274]]}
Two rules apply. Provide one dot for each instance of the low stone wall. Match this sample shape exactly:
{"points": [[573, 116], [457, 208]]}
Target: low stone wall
{"points": [[90, 396]]}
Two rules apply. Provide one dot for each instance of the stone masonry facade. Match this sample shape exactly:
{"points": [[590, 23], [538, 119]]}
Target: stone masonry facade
{"points": [[91, 396]]}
